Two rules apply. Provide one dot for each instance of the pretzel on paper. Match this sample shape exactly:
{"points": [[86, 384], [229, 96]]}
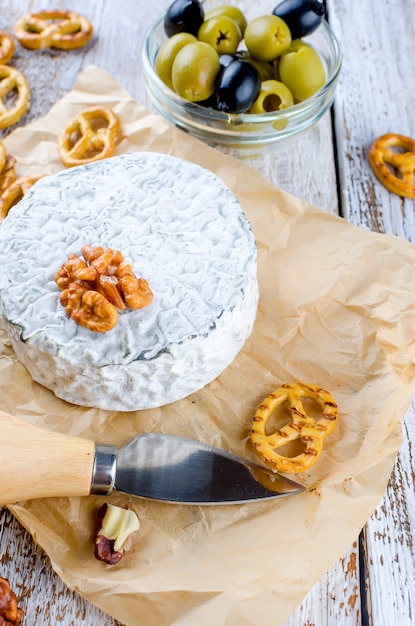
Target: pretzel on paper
{"points": [[15, 192], [90, 136], [12, 80], [3, 155], [311, 432], [392, 158], [6, 47], [7, 171], [65, 30]]}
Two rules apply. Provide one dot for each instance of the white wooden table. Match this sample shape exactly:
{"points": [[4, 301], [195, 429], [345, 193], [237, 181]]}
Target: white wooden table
{"points": [[372, 585]]}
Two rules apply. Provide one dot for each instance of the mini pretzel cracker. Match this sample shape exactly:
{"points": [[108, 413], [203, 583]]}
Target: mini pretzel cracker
{"points": [[65, 30], [93, 288], [309, 431], [15, 192], [3, 155], [11, 80], [7, 171], [6, 47], [399, 176], [89, 136]]}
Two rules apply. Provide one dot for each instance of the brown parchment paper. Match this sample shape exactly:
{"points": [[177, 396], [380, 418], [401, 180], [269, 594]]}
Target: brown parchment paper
{"points": [[337, 308]]}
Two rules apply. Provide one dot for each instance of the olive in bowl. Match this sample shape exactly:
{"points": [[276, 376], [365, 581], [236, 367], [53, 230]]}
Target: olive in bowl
{"points": [[238, 87], [183, 16], [302, 17], [203, 118]]}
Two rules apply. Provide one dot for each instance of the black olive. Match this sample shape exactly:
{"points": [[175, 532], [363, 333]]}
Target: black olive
{"points": [[209, 103], [225, 59], [301, 16], [184, 16], [238, 87]]}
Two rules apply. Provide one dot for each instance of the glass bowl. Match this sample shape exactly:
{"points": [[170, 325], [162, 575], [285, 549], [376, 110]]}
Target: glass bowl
{"points": [[245, 129]]}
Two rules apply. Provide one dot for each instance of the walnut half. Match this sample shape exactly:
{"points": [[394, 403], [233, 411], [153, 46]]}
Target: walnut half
{"points": [[114, 537], [10, 614]]}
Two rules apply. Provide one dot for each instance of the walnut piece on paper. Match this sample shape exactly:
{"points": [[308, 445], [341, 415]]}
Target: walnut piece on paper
{"points": [[10, 613], [117, 526]]}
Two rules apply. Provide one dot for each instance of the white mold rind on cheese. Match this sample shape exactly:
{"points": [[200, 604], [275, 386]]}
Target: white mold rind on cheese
{"points": [[182, 230]]}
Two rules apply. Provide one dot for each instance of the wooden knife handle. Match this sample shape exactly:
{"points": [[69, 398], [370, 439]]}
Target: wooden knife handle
{"points": [[39, 463]]}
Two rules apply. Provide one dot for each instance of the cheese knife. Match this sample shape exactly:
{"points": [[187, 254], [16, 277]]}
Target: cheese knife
{"points": [[39, 463]]}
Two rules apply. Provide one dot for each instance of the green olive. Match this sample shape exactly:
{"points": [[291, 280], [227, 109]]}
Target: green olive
{"points": [[267, 37], [273, 96], [233, 12], [264, 69], [222, 33], [194, 71], [301, 69], [167, 53]]}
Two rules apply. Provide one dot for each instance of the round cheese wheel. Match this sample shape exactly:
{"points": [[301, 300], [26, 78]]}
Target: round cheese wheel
{"points": [[182, 229]]}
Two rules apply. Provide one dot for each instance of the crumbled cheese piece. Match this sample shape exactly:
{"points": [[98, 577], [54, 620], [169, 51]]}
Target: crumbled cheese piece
{"points": [[118, 524]]}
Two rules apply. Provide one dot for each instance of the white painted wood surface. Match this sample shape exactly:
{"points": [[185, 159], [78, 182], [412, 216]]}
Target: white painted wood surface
{"points": [[376, 95]]}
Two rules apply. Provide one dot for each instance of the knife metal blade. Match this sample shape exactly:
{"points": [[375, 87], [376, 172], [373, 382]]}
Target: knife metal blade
{"points": [[40, 463], [175, 469]]}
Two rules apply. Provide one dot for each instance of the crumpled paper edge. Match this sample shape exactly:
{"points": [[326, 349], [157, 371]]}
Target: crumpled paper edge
{"points": [[172, 141]]}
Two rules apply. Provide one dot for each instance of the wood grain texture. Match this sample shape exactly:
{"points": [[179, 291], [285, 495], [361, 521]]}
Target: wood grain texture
{"points": [[335, 599], [388, 543], [68, 459], [376, 95], [45, 599]]}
